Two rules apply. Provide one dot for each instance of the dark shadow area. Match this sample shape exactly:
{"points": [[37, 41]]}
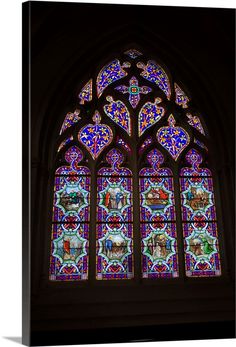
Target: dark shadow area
{"points": [[200, 331], [16, 339]]}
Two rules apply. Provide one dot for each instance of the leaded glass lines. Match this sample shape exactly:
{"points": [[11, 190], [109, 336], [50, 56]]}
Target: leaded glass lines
{"points": [[70, 120], [86, 93], [145, 119], [95, 137], [156, 74], [109, 74], [70, 227], [149, 115], [199, 219], [119, 113], [173, 138], [181, 98], [134, 91], [114, 250], [157, 216]]}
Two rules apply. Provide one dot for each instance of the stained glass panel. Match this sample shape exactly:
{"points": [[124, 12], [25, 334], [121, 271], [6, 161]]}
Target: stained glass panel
{"points": [[65, 142], [195, 122], [157, 216], [133, 53], [149, 115], [114, 220], [114, 251], [119, 113], [70, 119], [95, 137], [134, 91], [110, 73], [70, 229], [181, 98], [123, 144], [159, 250], [145, 144], [173, 138], [199, 219], [156, 74], [86, 94]]}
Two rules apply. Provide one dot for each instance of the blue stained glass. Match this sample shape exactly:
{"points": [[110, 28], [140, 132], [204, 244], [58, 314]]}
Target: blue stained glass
{"points": [[156, 74], [195, 122], [95, 137], [70, 119], [86, 94], [173, 138], [109, 74], [119, 113], [149, 115], [181, 98]]}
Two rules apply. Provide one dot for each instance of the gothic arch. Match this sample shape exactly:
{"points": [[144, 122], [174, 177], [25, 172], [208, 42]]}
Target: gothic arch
{"points": [[164, 107], [56, 83]]}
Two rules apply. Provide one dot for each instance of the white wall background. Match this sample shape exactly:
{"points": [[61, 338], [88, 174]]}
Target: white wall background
{"points": [[10, 159]]}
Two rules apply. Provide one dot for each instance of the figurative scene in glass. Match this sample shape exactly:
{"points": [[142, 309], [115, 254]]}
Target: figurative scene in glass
{"points": [[70, 222], [137, 126], [199, 219], [114, 220]]}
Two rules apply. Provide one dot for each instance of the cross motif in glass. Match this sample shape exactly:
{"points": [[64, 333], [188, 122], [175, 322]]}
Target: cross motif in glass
{"points": [[134, 91]]}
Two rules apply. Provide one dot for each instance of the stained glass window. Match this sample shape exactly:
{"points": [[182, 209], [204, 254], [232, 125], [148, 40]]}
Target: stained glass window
{"points": [[114, 220], [133, 137], [199, 219], [157, 216], [70, 221]]}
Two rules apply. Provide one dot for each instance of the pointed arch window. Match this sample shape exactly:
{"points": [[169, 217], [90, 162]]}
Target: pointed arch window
{"points": [[199, 218], [134, 183], [158, 221], [70, 228], [114, 249]]}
